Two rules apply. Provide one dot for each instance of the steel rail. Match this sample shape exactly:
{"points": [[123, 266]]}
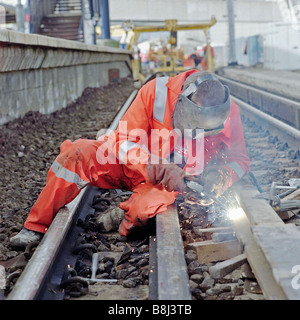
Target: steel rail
{"points": [[255, 212], [272, 247], [280, 107], [274, 126], [172, 275]]}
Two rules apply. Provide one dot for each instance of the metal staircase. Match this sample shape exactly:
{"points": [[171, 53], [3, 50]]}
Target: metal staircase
{"points": [[64, 22]]}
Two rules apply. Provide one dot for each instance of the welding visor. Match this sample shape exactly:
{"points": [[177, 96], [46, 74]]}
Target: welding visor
{"points": [[189, 115]]}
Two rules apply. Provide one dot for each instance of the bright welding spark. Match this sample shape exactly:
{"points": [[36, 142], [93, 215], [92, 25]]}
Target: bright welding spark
{"points": [[235, 213]]}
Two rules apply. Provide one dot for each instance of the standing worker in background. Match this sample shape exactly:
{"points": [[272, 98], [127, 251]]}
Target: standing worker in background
{"points": [[128, 159]]}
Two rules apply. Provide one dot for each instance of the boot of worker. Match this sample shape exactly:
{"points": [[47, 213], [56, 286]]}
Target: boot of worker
{"points": [[110, 219], [24, 237]]}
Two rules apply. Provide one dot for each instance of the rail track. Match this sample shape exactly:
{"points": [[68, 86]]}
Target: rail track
{"points": [[191, 252], [270, 122]]}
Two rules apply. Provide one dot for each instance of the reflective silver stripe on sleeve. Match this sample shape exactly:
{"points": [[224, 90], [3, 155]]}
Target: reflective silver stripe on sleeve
{"points": [[128, 145], [67, 175], [161, 92], [237, 168]]}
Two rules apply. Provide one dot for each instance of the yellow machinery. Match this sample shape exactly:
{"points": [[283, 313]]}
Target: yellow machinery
{"points": [[171, 26]]}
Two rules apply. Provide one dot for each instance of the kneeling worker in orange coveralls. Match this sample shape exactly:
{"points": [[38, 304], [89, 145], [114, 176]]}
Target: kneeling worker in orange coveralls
{"points": [[135, 156]]}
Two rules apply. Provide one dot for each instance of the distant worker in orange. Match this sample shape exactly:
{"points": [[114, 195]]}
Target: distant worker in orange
{"points": [[152, 152], [204, 56], [196, 58]]}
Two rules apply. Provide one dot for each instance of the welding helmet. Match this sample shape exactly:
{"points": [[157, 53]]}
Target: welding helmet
{"points": [[189, 115]]}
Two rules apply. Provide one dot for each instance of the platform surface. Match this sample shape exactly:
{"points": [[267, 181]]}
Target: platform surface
{"points": [[285, 83]]}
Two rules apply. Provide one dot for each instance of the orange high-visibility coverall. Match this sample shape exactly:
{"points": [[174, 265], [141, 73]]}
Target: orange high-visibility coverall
{"points": [[111, 161]]}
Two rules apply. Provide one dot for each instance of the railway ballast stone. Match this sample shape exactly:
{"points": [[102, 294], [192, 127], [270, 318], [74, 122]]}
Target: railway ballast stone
{"points": [[29, 145]]}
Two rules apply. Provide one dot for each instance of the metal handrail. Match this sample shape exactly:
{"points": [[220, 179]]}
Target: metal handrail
{"points": [[80, 29]]}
